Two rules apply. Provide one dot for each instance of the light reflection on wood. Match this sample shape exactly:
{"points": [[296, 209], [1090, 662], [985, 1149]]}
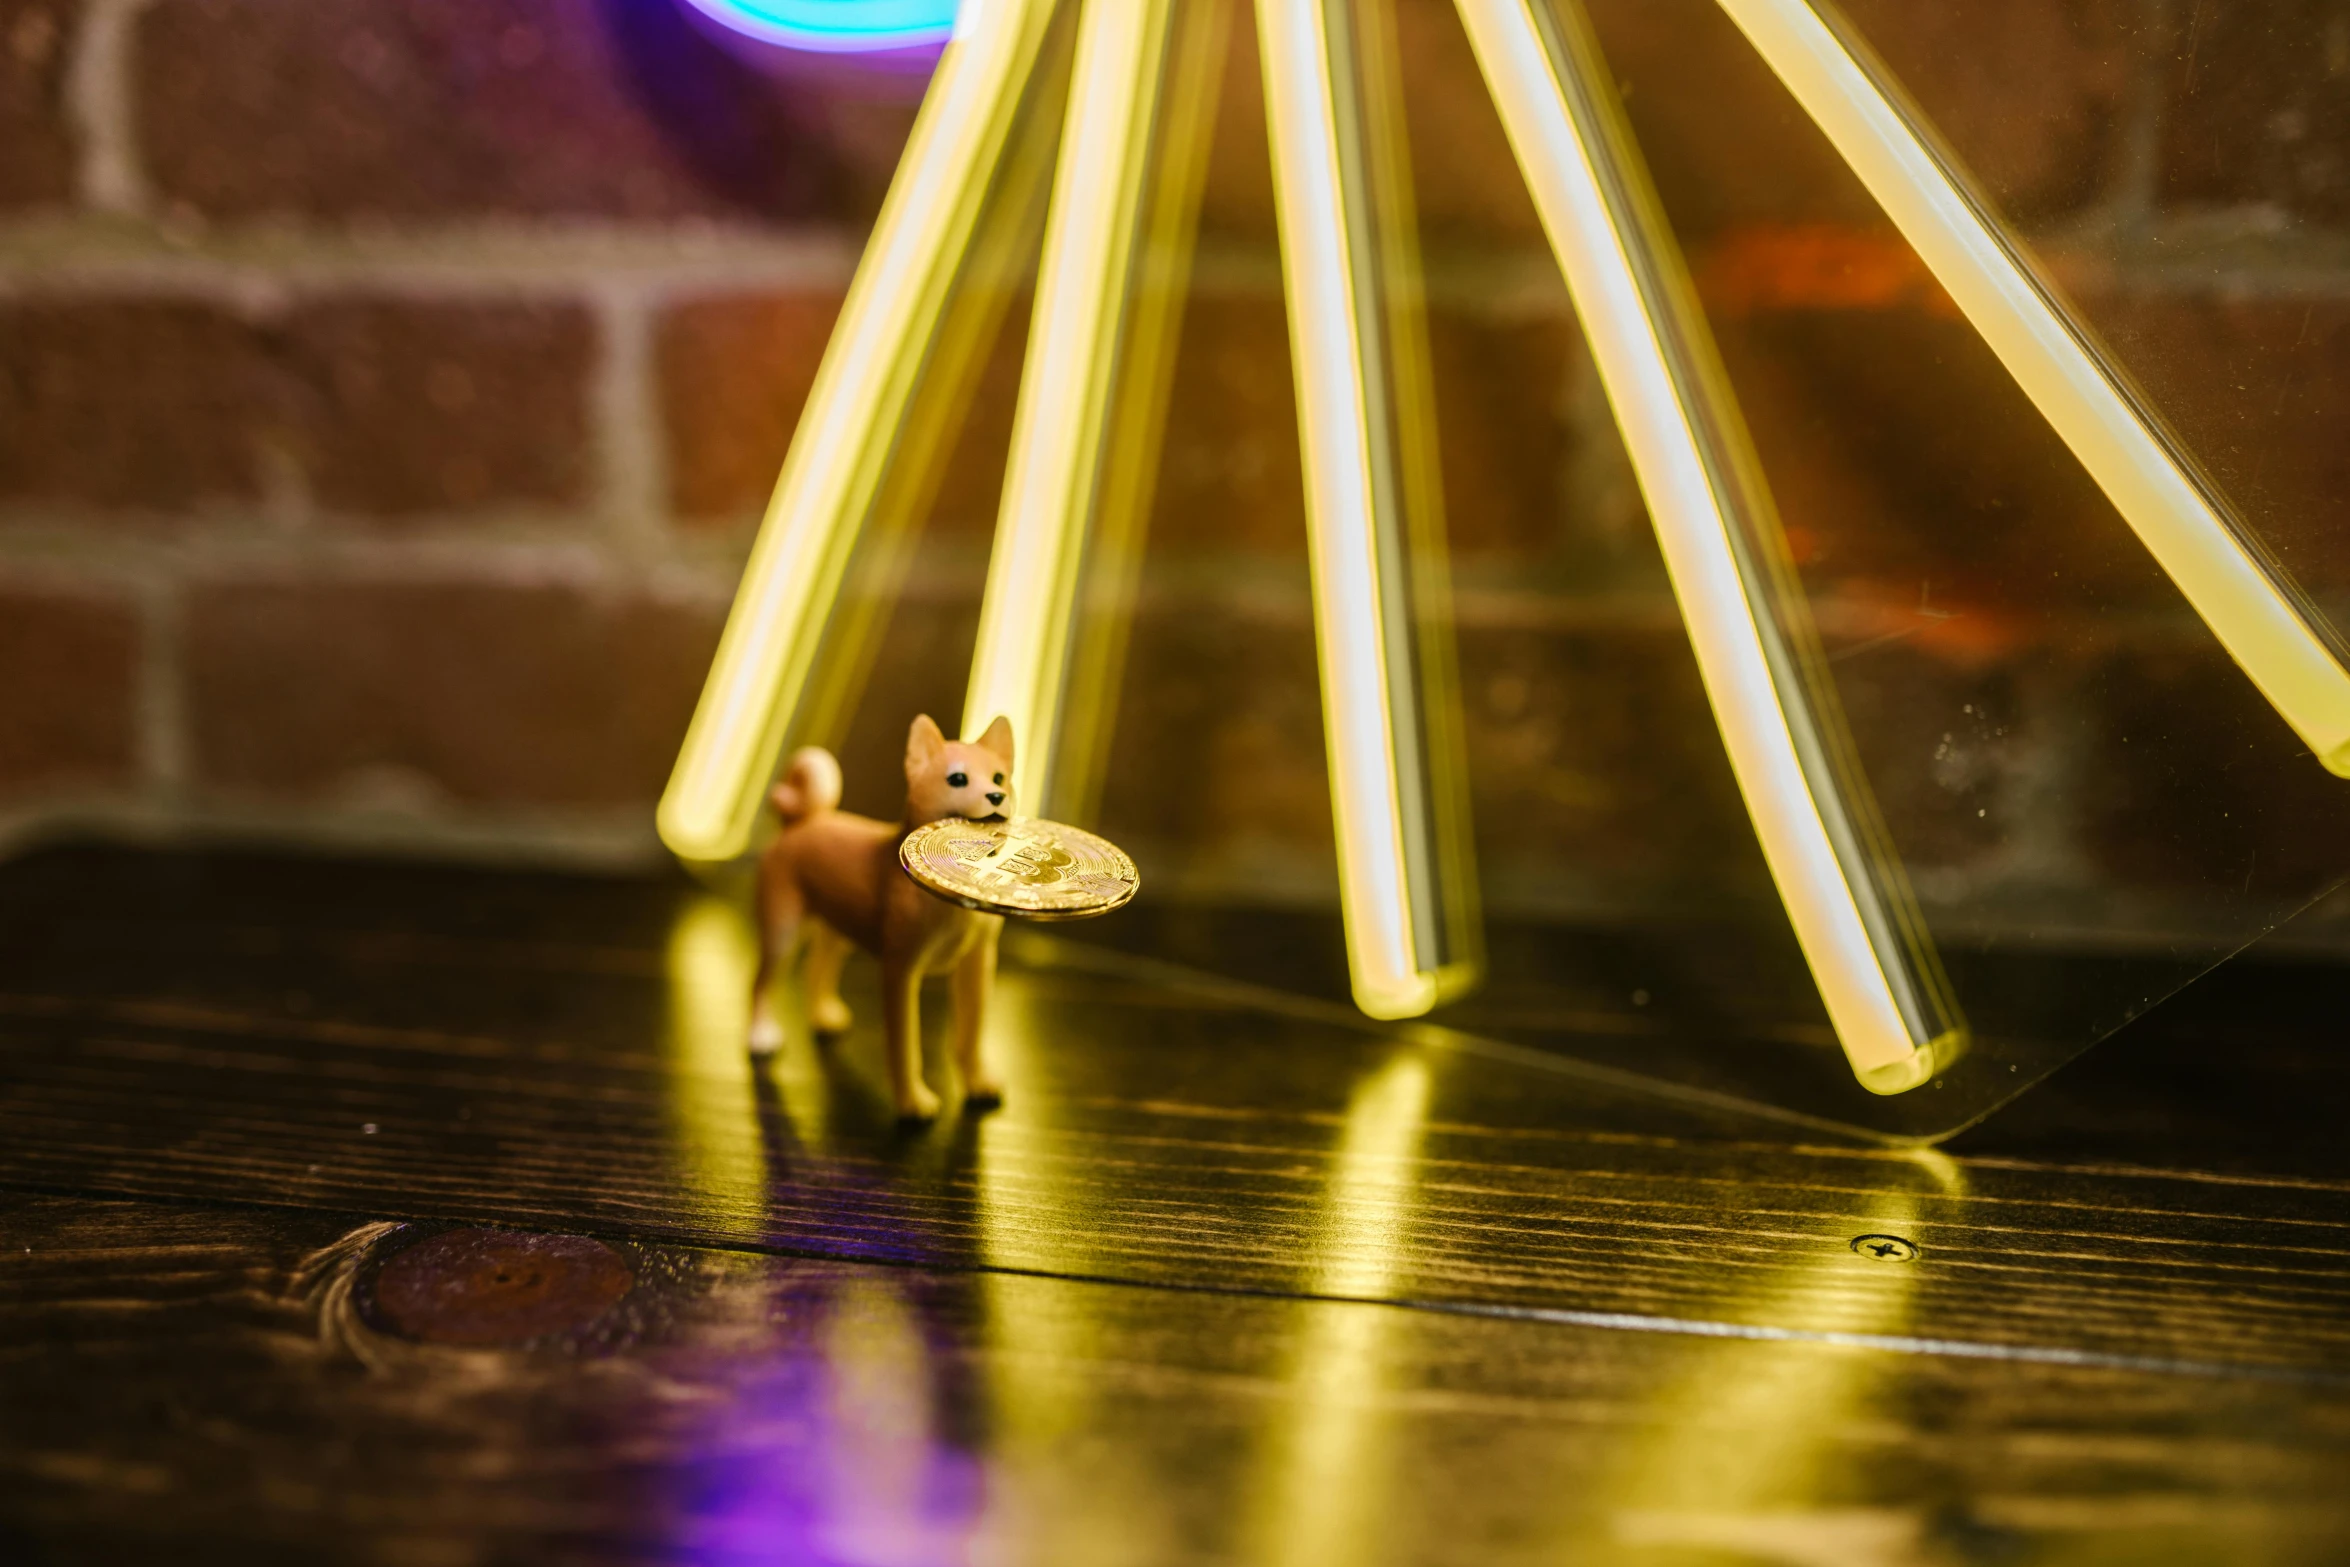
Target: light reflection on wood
{"points": [[1327, 1474], [1699, 1477], [710, 1104]]}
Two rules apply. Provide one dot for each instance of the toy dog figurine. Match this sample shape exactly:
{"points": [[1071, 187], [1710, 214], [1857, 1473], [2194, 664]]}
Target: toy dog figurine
{"points": [[834, 876]]}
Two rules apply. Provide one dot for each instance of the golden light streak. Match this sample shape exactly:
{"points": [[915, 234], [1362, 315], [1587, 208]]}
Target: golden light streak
{"points": [[1737, 1448], [997, 272], [1066, 385], [1331, 1469], [711, 1100], [843, 443], [1390, 849], [1449, 852], [1130, 457], [2243, 595], [1842, 886], [1028, 1223], [1373, 1181]]}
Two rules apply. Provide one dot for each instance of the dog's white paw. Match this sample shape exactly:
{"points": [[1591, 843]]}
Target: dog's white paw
{"points": [[766, 1036]]}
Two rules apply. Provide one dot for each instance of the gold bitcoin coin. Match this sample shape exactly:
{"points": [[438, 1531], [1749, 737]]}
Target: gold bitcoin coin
{"points": [[1032, 869]]}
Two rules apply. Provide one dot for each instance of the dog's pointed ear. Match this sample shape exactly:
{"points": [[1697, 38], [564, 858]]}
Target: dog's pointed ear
{"points": [[923, 743], [999, 738]]}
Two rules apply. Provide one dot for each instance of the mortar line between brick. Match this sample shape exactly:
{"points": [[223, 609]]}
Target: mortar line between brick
{"points": [[1504, 282], [626, 437], [103, 103], [1260, 596], [621, 840], [478, 258], [65, 548], [2175, 250], [2138, 179]]}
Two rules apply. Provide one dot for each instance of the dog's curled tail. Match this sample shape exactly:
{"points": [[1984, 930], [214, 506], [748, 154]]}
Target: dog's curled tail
{"points": [[810, 784]]}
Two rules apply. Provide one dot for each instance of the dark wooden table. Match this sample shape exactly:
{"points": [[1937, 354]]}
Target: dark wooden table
{"points": [[411, 1215]]}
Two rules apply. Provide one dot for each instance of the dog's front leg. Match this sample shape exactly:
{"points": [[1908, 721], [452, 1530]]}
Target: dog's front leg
{"points": [[974, 980], [901, 1012]]}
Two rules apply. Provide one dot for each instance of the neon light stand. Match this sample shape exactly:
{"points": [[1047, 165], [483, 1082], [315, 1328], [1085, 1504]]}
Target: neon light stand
{"points": [[1096, 351]]}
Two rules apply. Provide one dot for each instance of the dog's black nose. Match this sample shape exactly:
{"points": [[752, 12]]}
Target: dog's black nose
{"points": [[995, 796]]}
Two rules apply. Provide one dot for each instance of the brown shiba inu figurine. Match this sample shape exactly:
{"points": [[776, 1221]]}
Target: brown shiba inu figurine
{"points": [[834, 876]]}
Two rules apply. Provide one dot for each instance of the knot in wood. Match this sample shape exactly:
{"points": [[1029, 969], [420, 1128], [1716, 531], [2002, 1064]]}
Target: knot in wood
{"points": [[483, 1287]]}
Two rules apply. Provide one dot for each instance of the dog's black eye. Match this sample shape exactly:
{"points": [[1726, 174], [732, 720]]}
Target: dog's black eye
{"points": [[999, 778], [957, 780]]}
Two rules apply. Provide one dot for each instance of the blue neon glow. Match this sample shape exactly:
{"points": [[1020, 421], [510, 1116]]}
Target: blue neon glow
{"points": [[837, 26]]}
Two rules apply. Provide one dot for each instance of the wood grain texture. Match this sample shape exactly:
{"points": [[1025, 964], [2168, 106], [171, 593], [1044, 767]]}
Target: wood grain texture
{"points": [[220, 1384], [564, 1053]]}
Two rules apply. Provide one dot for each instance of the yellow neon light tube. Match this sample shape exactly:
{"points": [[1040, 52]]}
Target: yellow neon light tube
{"points": [[1056, 464], [1135, 437], [843, 443], [2259, 616], [1860, 934], [999, 267], [1452, 921], [1389, 854]]}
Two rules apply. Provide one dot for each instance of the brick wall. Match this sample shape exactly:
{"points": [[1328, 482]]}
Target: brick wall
{"points": [[387, 390], [368, 466]]}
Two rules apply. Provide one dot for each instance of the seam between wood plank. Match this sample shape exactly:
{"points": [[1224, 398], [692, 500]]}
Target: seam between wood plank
{"points": [[1607, 1321]]}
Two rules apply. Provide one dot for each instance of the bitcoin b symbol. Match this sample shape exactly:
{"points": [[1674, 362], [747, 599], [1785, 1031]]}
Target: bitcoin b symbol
{"points": [[1039, 864]]}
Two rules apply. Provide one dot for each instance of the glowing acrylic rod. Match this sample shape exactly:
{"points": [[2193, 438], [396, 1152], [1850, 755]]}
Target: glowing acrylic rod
{"points": [[843, 443], [1067, 383], [1135, 437], [999, 267], [1453, 941], [1866, 949], [2227, 575], [1379, 781]]}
